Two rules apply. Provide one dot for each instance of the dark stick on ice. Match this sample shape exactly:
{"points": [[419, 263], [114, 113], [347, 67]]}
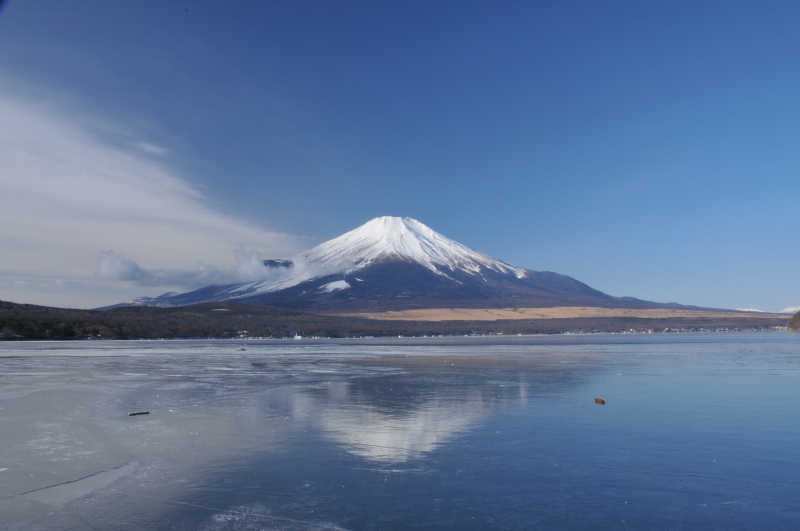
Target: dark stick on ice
{"points": [[138, 413]]}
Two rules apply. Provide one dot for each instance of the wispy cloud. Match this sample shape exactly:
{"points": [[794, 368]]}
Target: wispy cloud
{"points": [[249, 267], [151, 148], [68, 191]]}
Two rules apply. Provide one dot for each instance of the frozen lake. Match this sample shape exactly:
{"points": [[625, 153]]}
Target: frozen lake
{"points": [[699, 431]]}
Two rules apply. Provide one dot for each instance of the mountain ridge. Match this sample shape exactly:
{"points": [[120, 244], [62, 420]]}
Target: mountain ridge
{"points": [[394, 263]]}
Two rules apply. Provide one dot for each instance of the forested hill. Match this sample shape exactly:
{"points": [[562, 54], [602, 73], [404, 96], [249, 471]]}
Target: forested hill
{"points": [[794, 324], [228, 320], [25, 321]]}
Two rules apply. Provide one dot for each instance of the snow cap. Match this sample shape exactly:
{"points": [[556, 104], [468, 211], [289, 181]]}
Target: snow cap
{"points": [[389, 237]]}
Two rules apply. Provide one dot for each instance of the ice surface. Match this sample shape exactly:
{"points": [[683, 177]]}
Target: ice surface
{"points": [[699, 431], [62, 493]]}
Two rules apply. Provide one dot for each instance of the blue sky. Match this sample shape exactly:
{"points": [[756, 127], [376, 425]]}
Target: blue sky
{"points": [[649, 149]]}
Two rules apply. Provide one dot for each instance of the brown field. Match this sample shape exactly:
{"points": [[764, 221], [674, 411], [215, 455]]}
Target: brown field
{"points": [[564, 312]]}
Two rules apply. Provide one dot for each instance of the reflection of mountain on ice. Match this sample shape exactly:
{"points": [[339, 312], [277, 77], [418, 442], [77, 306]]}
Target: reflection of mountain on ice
{"points": [[395, 419], [374, 434]]}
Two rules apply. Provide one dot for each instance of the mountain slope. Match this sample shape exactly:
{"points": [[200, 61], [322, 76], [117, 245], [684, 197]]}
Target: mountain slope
{"points": [[398, 263]]}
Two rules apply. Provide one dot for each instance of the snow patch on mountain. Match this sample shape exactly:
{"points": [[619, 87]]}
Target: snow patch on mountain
{"points": [[334, 286], [790, 311]]}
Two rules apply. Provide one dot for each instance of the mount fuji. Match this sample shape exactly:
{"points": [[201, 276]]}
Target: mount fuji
{"points": [[394, 263]]}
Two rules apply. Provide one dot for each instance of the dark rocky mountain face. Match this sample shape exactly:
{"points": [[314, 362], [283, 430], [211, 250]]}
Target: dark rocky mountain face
{"points": [[277, 264]]}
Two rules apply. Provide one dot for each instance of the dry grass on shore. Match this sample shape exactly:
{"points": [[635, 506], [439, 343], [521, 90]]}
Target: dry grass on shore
{"points": [[564, 312]]}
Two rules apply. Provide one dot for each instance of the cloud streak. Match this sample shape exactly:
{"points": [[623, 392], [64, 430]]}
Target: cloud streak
{"points": [[114, 267], [69, 190], [249, 267]]}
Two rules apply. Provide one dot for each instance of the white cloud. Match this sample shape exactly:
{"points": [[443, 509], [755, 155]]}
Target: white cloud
{"points": [[67, 193], [113, 266], [249, 268]]}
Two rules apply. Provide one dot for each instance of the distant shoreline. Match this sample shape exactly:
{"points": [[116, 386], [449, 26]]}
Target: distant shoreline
{"points": [[201, 321], [477, 337]]}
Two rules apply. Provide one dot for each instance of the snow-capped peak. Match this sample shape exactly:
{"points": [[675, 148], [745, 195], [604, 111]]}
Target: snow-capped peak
{"points": [[790, 310], [390, 237], [384, 238]]}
